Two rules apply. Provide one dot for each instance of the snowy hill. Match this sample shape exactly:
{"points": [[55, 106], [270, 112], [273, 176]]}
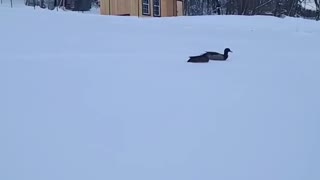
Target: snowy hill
{"points": [[100, 97]]}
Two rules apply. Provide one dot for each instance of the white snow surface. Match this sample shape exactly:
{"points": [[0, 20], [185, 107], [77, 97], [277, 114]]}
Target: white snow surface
{"points": [[102, 97]]}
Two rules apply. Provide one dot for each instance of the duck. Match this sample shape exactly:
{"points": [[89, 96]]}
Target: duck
{"points": [[209, 55]]}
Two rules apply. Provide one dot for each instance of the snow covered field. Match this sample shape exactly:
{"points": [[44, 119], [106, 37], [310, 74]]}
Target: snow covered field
{"points": [[99, 97]]}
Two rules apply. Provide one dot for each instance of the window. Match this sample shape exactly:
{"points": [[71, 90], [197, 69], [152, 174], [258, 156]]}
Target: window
{"points": [[156, 8], [146, 7]]}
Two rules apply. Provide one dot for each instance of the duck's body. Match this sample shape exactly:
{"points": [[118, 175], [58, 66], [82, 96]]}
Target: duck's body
{"points": [[215, 56]]}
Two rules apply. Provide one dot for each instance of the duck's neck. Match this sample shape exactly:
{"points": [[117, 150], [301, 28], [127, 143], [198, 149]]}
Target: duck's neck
{"points": [[225, 55]]}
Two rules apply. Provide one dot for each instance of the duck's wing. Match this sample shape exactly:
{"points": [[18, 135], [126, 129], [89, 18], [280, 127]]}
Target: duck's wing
{"points": [[212, 53], [215, 56], [197, 56]]}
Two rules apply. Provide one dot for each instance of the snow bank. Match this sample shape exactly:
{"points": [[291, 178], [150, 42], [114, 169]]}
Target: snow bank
{"points": [[102, 97]]}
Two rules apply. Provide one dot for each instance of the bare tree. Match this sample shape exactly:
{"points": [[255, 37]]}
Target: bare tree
{"points": [[317, 2], [230, 6]]}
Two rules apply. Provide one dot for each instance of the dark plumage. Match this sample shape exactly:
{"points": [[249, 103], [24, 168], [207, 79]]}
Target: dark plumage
{"points": [[215, 56]]}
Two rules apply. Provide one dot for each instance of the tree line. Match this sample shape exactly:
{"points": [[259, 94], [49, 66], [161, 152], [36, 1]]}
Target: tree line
{"points": [[293, 8]]}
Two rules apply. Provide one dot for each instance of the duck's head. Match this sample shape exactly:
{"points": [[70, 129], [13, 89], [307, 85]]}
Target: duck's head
{"points": [[226, 50]]}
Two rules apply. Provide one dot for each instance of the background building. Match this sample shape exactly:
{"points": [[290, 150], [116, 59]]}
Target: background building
{"points": [[152, 8]]}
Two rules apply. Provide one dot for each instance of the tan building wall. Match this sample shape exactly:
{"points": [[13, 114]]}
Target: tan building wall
{"points": [[135, 8]]}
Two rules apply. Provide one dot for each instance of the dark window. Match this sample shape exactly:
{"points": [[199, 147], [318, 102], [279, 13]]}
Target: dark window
{"points": [[156, 8], [146, 7]]}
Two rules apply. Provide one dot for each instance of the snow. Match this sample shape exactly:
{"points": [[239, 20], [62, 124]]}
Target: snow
{"points": [[86, 96]]}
